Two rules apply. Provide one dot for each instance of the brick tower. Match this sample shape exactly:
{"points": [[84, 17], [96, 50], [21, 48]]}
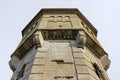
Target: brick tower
{"points": [[59, 44]]}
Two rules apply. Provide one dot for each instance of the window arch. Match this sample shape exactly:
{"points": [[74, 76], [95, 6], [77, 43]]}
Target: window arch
{"points": [[66, 18], [51, 18]]}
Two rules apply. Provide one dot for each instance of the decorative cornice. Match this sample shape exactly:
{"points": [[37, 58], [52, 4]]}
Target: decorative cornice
{"points": [[27, 44], [86, 39], [94, 47]]}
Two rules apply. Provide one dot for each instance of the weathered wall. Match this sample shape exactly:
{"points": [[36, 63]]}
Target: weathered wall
{"points": [[62, 59], [28, 60], [53, 61]]}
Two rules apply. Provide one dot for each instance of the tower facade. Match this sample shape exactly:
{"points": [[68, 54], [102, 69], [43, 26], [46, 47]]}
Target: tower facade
{"points": [[59, 44]]}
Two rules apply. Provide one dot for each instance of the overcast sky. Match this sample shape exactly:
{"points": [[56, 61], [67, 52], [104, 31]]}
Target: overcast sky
{"points": [[103, 14]]}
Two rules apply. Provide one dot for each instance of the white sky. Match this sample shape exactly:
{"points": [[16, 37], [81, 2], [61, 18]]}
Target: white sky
{"points": [[103, 14]]}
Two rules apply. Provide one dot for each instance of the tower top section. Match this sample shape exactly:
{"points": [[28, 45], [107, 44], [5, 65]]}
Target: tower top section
{"points": [[58, 24], [60, 18]]}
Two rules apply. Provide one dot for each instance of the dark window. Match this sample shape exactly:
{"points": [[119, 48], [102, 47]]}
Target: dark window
{"points": [[21, 72], [97, 70]]}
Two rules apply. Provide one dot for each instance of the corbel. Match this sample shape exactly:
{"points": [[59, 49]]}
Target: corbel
{"points": [[81, 39], [12, 67], [36, 40], [105, 62]]}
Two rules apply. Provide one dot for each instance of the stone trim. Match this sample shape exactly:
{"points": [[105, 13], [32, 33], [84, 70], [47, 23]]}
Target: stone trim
{"points": [[25, 46]]}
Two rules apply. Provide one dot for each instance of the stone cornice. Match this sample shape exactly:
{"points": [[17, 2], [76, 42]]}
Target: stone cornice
{"points": [[95, 46], [25, 45], [33, 40], [92, 43]]}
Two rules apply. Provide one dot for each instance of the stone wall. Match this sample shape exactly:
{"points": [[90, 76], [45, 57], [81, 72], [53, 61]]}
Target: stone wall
{"points": [[27, 60]]}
